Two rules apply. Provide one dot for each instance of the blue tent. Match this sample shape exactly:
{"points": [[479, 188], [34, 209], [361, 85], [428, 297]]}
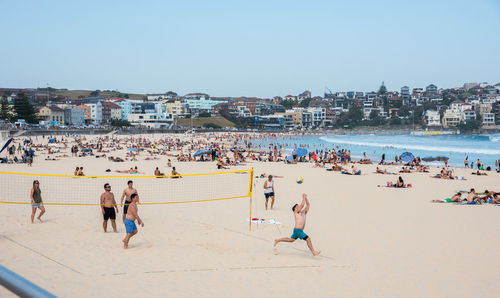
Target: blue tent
{"points": [[201, 152], [301, 152], [407, 157]]}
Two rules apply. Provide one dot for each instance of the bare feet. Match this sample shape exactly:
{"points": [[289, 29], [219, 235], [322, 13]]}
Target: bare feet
{"points": [[39, 219], [125, 244], [275, 242], [315, 253]]}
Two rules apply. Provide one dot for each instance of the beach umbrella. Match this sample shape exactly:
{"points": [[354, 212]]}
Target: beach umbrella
{"points": [[301, 152], [442, 158], [133, 149], [289, 158], [202, 152], [239, 149], [429, 158], [6, 144], [407, 157]]}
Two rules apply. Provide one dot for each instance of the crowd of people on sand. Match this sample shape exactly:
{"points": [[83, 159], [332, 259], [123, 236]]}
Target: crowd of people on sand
{"points": [[473, 198], [226, 150]]}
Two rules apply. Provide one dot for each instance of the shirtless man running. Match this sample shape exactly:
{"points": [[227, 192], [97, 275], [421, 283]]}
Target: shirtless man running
{"points": [[300, 222], [132, 215], [127, 192], [108, 206]]}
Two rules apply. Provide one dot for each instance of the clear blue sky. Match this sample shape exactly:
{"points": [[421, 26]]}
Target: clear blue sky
{"points": [[252, 48]]}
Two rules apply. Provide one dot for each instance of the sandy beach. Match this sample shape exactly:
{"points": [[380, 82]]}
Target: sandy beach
{"points": [[374, 241]]}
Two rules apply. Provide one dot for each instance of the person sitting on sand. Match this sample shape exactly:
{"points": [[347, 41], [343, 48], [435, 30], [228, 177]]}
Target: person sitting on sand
{"points": [[399, 183], [354, 171], [169, 163], [158, 173], [472, 198], [300, 213], [77, 170], [455, 198], [175, 174], [80, 172], [220, 164]]}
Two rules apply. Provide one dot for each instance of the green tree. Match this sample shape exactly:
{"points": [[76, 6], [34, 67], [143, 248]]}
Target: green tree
{"points": [[24, 110], [404, 111], [382, 90], [95, 93], [4, 109], [120, 123], [470, 125], [204, 115], [171, 93], [288, 103], [212, 125], [355, 113], [305, 103]]}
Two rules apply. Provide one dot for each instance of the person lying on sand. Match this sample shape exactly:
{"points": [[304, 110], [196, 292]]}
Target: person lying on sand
{"points": [[130, 171], [455, 198], [384, 172], [496, 198], [336, 168], [264, 175], [479, 173], [399, 183]]}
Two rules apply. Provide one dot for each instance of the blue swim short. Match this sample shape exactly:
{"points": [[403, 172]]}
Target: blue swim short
{"points": [[36, 205], [298, 233], [130, 226]]}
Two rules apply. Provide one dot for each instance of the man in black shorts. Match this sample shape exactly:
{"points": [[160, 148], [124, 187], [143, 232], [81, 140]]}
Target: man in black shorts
{"points": [[108, 206], [127, 192]]}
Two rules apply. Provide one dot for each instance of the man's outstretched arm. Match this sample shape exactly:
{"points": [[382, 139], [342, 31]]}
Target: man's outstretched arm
{"points": [[307, 204]]}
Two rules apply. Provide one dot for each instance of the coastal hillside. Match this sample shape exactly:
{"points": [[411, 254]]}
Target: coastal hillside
{"points": [[86, 93]]}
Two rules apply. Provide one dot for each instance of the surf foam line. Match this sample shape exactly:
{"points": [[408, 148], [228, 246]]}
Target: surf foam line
{"points": [[414, 147]]}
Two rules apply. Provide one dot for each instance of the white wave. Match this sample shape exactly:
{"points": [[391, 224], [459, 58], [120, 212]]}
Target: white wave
{"points": [[495, 138], [414, 147]]}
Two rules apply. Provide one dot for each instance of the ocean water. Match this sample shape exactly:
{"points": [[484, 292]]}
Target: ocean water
{"points": [[455, 147]]}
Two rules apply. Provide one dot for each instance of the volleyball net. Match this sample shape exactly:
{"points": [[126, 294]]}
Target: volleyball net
{"points": [[87, 190]]}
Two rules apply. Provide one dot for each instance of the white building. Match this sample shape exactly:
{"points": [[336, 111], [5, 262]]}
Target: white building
{"points": [[488, 119], [468, 115], [95, 112], [432, 118], [151, 120]]}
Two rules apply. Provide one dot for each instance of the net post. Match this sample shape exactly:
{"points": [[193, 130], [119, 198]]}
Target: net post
{"points": [[250, 196]]}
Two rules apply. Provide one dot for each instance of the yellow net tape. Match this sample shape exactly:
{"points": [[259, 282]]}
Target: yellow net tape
{"points": [[152, 190]]}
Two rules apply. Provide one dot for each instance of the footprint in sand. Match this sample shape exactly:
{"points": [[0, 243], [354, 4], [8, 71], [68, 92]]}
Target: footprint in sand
{"points": [[275, 251]]}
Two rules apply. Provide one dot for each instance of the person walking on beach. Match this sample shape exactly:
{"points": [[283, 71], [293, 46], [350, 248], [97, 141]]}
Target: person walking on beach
{"points": [[127, 193], [108, 206], [132, 215], [300, 222], [269, 190], [36, 201]]}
